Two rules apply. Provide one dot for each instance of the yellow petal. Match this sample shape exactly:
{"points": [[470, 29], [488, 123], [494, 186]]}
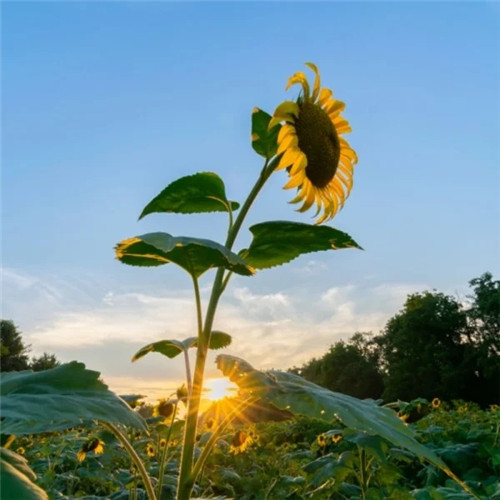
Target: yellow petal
{"points": [[317, 81], [288, 141], [295, 181], [290, 156], [285, 130], [324, 96], [299, 77], [299, 164], [287, 108]]}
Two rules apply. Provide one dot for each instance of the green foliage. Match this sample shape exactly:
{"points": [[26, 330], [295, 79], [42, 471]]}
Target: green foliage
{"points": [[59, 398], [14, 354], [264, 140], [194, 255], [348, 367], [16, 478], [198, 193], [277, 242], [172, 348]]}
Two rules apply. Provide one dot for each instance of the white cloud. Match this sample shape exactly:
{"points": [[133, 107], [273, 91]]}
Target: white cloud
{"points": [[269, 330]]}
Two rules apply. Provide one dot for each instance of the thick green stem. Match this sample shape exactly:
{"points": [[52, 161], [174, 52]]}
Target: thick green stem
{"points": [[135, 458], [186, 477]]}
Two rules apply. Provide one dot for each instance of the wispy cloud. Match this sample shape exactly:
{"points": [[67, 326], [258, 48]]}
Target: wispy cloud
{"points": [[269, 330]]}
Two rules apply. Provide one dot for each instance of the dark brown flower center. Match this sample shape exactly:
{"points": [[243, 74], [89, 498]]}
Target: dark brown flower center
{"points": [[319, 141]]}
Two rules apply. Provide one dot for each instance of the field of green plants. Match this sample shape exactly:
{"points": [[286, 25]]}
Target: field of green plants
{"points": [[300, 458]]}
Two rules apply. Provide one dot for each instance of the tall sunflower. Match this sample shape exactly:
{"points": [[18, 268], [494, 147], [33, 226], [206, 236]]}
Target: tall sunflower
{"points": [[319, 161]]}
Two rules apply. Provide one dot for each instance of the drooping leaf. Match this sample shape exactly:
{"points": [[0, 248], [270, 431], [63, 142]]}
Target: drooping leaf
{"points": [[194, 255], [198, 193], [16, 478], [59, 398], [291, 392], [277, 242], [172, 348], [264, 141]]}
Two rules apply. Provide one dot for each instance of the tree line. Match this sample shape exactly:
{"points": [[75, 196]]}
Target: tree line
{"points": [[436, 346], [15, 353]]}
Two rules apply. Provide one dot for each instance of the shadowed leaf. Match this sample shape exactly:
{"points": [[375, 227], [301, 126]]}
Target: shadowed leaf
{"points": [[277, 242], [291, 392], [194, 255], [264, 141], [198, 193], [61, 397], [16, 478]]}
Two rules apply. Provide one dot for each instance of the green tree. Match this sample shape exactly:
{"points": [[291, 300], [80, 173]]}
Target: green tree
{"points": [[14, 353], [483, 340], [421, 350], [44, 362], [348, 367]]}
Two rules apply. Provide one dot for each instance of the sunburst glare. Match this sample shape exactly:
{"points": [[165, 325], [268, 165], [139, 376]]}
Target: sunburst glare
{"points": [[219, 388]]}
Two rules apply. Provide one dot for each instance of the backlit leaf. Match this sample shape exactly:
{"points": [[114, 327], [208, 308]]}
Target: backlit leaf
{"points": [[277, 242], [194, 255], [172, 348], [198, 193], [59, 398], [291, 392], [264, 141]]}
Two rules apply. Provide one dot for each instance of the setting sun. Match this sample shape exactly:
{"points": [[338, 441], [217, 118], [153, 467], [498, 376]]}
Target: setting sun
{"points": [[219, 388]]}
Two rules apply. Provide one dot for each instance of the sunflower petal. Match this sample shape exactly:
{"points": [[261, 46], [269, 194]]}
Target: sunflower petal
{"points": [[299, 164], [295, 181], [324, 96], [301, 78], [317, 81], [288, 141]]}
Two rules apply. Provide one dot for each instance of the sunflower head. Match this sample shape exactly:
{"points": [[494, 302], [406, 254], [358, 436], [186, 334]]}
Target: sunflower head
{"points": [[436, 403], [240, 442], [93, 444], [318, 159]]}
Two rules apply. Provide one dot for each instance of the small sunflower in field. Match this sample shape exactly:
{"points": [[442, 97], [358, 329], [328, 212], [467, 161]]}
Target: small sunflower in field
{"points": [[150, 450], [319, 161], [164, 408], [93, 444], [436, 403], [240, 442], [336, 438], [321, 440], [20, 450], [163, 443]]}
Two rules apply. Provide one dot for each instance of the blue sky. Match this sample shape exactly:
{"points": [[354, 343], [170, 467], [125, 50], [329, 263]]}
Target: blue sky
{"points": [[105, 103]]}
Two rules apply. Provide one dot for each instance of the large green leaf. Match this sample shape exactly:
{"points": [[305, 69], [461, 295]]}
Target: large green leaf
{"points": [[194, 255], [264, 141], [277, 242], [172, 348], [198, 193], [61, 397], [16, 478], [291, 392]]}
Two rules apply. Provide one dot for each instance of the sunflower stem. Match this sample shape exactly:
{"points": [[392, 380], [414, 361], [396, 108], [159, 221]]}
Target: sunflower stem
{"points": [[134, 456], [186, 476]]}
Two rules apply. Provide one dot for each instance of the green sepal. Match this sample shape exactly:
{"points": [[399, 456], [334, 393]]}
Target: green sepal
{"points": [[17, 479], [291, 392], [59, 398], [264, 141], [198, 193], [172, 348], [277, 242], [194, 255]]}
